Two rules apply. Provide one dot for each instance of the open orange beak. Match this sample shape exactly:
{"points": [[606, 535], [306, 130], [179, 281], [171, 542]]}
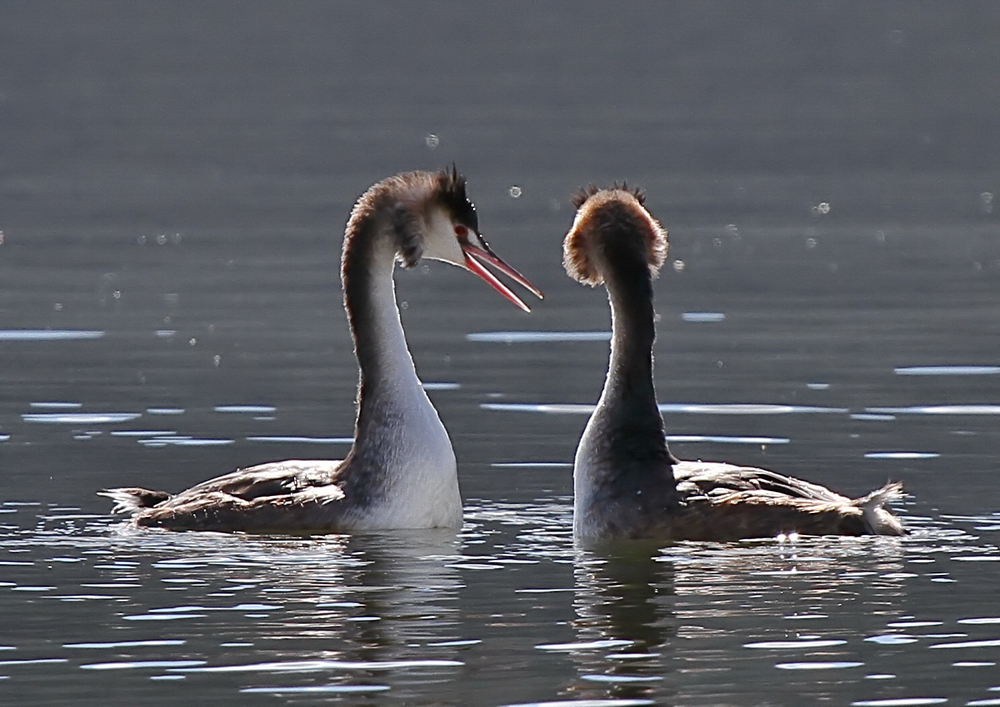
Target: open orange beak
{"points": [[474, 254]]}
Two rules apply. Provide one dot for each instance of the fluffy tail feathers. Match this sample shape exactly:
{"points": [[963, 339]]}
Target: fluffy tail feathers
{"points": [[877, 518], [132, 500]]}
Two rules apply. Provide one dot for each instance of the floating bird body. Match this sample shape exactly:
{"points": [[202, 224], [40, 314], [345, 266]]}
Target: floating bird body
{"points": [[627, 484], [401, 470]]}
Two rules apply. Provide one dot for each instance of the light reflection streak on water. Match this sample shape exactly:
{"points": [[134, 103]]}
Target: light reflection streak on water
{"points": [[948, 370], [49, 334], [938, 410], [511, 337], [80, 418], [673, 408]]}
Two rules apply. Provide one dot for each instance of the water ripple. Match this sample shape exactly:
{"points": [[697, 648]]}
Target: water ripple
{"points": [[586, 703], [132, 664], [993, 643], [316, 689], [727, 440], [901, 702], [795, 645], [585, 646], [901, 455], [310, 666], [127, 644], [819, 665], [249, 409]]}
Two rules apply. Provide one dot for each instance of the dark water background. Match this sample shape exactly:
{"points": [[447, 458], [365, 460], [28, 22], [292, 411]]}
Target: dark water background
{"points": [[174, 177]]}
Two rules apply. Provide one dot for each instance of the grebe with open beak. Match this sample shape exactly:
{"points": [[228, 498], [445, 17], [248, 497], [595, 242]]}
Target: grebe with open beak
{"points": [[401, 471], [626, 482]]}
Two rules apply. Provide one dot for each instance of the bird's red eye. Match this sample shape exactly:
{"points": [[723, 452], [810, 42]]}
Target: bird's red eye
{"points": [[461, 231]]}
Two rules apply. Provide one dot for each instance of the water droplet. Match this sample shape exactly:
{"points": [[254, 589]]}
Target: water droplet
{"points": [[192, 341], [161, 239], [679, 266], [216, 359], [58, 306], [515, 192], [810, 243], [432, 141]]}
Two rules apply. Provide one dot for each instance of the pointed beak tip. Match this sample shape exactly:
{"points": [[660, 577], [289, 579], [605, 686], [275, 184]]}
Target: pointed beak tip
{"points": [[475, 267]]}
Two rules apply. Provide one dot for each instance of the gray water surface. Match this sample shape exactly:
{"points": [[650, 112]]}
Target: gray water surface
{"points": [[174, 180]]}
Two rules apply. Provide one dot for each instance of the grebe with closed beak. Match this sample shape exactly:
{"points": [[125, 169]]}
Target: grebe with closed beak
{"points": [[401, 471], [626, 482]]}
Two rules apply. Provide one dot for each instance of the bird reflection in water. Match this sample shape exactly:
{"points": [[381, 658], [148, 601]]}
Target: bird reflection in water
{"points": [[655, 623]]}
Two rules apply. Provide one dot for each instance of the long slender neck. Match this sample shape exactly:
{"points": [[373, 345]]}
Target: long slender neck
{"points": [[401, 471], [388, 379], [623, 450], [628, 402]]}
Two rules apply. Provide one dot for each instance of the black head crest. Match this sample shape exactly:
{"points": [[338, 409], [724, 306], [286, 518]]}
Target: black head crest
{"points": [[581, 196], [451, 187]]}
